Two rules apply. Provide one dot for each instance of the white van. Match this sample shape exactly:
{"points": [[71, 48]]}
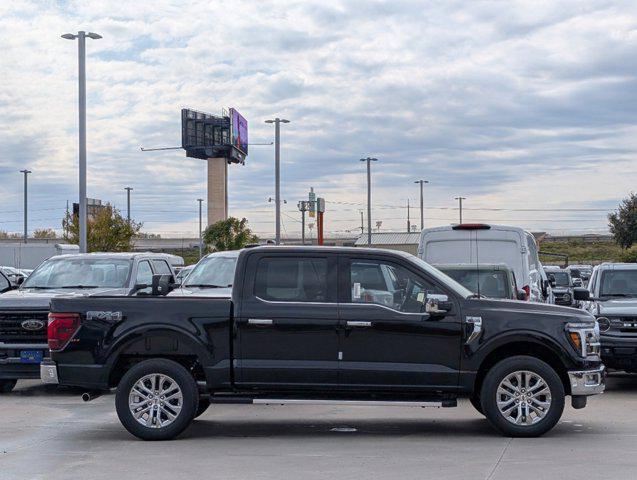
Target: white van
{"points": [[482, 243]]}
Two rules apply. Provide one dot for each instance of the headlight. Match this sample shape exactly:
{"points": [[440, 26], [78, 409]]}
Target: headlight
{"points": [[566, 297], [585, 338]]}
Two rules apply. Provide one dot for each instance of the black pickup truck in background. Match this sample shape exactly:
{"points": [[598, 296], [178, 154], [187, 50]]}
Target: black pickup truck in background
{"points": [[24, 311], [326, 325]]}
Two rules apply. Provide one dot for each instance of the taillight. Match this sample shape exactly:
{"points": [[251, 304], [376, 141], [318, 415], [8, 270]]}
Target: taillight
{"points": [[527, 290], [62, 327]]}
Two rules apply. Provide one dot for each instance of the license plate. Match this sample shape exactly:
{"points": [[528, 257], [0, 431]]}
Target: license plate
{"points": [[31, 356]]}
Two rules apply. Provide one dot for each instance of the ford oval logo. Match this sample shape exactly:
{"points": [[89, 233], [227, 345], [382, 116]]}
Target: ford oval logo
{"points": [[32, 324]]}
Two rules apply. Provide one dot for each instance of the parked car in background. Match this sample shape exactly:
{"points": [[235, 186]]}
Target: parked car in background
{"points": [[299, 328], [182, 272], [546, 286], [212, 276], [490, 280], [562, 285], [15, 276], [613, 292], [491, 244], [24, 312], [585, 272]]}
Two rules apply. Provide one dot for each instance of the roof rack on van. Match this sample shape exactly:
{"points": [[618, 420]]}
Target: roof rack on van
{"points": [[471, 226]]}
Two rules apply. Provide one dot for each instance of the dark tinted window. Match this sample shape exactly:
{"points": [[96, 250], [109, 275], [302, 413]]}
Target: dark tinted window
{"points": [[292, 280], [494, 284], [161, 267]]}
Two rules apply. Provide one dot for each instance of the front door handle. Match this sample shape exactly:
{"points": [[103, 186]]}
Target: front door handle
{"points": [[355, 323], [259, 321]]}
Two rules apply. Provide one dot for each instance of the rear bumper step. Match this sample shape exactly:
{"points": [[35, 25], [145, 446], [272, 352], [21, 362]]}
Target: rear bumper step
{"points": [[322, 401]]}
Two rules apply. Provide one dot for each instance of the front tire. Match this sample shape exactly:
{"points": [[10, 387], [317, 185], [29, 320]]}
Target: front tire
{"points": [[475, 401], [522, 396], [204, 403], [157, 399]]}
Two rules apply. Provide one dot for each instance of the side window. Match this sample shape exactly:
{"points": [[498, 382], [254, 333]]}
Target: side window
{"points": [[284, 279], [390, 285], [144, 273], [161, 267], [533, 252]]}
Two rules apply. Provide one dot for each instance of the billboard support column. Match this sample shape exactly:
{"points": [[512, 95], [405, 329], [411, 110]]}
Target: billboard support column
{"points": [[217, 189]]}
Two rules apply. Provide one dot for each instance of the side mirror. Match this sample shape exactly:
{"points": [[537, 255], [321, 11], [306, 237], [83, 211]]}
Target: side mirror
{"points": [[162, 284], [521, 295], [551, 281], [438, 305], [581, 294]]}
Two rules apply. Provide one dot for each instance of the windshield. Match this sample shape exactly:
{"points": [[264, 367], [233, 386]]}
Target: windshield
{"points": [[494, 284], [444, 279], [214, 271], [80, 273], [561, 279], [618, 283]]}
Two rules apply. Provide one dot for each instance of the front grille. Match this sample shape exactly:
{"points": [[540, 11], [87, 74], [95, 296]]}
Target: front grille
{"points": [[12, 329]]}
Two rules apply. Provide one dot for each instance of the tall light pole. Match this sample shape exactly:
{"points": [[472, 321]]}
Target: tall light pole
{"points": [[422, 208], [200, 200], [128, 190], [26, 172], [362, 223], [81, 54], [460, 199], [277, 174], [369, 160]]}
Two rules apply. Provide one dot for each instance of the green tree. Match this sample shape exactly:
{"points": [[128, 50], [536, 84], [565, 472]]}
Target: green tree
{"points": [[229, 234], [623, 222], [107, 231]]}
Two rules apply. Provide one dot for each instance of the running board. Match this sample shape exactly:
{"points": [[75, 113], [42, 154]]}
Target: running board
{"points": [[320, 401]]}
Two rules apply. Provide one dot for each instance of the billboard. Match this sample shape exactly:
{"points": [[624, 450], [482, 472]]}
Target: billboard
{"points": [[239, 137]]}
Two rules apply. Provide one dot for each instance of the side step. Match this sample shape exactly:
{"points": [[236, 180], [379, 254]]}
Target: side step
{"points": [[223, 399]]}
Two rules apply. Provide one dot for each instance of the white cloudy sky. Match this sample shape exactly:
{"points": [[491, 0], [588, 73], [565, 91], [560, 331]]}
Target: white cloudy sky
{"points": [[516, 105]]}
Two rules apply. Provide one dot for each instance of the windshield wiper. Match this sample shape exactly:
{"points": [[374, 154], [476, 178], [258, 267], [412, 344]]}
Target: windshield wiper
{"points": [[79, 286], [206, 285]]}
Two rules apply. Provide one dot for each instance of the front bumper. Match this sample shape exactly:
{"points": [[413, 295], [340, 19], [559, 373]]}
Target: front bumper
{"points": [[49, 372], [587, 382], [619, 352]]}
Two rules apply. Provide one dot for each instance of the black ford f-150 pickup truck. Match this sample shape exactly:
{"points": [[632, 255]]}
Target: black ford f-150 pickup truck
{"points": [[325, 325]]}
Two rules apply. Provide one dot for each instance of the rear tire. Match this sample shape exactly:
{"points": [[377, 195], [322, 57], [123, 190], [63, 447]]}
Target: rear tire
{"points": [[157, 399], [522, 396], [6, 386]]}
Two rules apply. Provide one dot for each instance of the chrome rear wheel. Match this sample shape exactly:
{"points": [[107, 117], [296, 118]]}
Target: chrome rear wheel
{"points": [[155, 400]]}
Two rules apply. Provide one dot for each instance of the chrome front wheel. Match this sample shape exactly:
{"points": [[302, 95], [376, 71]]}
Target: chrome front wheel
{"points": [[523, 398]]}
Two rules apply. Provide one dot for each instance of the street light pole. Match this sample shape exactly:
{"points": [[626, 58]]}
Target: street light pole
{"points": [[422, 210], [460, 199], [26, 172], [277, 174], [81, 54], [369, 160], [200, 200], [128, 190], [362, 223]]}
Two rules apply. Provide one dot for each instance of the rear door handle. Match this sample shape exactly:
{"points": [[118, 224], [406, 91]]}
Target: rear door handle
{"points": [[259, 321], [355, 323]]}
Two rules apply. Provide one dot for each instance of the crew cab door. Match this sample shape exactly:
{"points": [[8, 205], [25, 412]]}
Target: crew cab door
{"points": [[286, 332], [388, 341]]}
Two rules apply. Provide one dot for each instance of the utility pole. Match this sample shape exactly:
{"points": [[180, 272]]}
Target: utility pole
{"points": [[26, 172], [200, 200], [81, 54], [369, 160], [460, 199], [408, 220], [422, 210], [277, 174], [362, 223], [128, 190], [303, 207]]}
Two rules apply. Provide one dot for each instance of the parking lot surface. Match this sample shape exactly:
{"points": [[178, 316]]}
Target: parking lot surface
{"points": [[49, 433]]}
